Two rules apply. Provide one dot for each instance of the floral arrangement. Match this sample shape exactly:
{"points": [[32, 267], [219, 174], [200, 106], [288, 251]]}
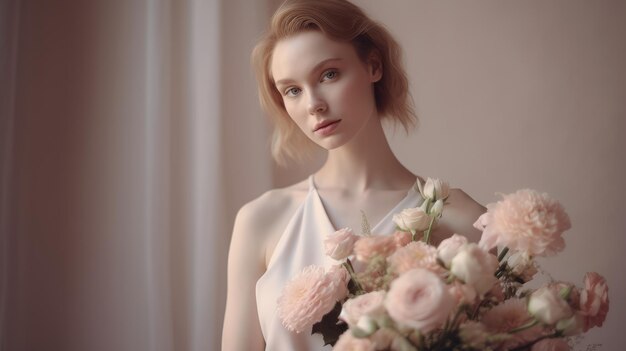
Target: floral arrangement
{"points": [[398, 292]]}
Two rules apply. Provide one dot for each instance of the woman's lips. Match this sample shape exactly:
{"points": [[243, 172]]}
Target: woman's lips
{"points": [[328, 128]]}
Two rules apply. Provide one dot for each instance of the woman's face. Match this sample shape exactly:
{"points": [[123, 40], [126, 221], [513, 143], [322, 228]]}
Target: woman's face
{"points": [[326, 88]]}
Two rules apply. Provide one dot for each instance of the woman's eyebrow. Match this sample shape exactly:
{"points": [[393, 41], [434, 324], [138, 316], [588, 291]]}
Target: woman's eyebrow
{"points": [[317, 66]]}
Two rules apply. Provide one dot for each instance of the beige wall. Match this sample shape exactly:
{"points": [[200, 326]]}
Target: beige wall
{"points": [[515, 94]]}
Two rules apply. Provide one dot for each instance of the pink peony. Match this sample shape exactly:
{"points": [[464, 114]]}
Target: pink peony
{"points": [[448, 248], [414, 255], [525, 221], [509, 315], [419, 299], [347, 342], [368, 247], [309, 296], [594, 300], [339, 244], [551, 345], [368, 305]]}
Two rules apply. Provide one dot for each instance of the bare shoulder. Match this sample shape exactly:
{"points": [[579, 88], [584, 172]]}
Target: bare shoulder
{"points": [[261, 211], [263, 219], [460, 213]]}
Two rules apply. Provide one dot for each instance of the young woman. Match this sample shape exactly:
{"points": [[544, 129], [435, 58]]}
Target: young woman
{"points": [[328, 75]]}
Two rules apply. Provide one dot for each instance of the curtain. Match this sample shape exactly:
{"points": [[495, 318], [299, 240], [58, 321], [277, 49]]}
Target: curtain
{"points": [[129, 130]]}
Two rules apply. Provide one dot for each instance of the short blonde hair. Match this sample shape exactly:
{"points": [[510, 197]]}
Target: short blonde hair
{"points": [[342, 21]]}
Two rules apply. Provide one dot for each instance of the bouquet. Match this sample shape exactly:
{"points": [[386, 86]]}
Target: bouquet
{"points": [[399, 292]]}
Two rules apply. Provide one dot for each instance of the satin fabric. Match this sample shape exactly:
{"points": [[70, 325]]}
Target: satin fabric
{"points": [[301, 245]]}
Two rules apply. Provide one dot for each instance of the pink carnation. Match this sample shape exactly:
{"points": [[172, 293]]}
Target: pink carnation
{"points": [[369, 247], [525, 221], [594, 300], [419, 299], [309, 296], [347, 342], [402, 238], [414, 255]]}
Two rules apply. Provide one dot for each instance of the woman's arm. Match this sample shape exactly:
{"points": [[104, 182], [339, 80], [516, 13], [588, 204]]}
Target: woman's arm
{"points": [[245, 265]]}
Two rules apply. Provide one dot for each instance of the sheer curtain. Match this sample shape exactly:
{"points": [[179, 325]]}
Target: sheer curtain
{"points": [[123, 129]]}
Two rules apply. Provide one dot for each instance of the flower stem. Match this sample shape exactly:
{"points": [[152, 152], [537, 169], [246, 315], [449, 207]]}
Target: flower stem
{"points": [[525, 326], [503, 253], [427, 233], [350, 269]]}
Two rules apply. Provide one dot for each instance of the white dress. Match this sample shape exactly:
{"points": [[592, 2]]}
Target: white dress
{"points": [[301, 245]]}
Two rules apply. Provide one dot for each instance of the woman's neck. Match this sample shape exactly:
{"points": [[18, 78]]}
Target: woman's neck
{"points": [[365, 163]]}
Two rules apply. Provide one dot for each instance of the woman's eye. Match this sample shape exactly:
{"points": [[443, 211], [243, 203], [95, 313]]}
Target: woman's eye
{"points": [[292, 91], [332, 74]]}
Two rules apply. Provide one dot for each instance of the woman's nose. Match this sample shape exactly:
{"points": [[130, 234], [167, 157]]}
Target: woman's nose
{"points": [[317, 105]]}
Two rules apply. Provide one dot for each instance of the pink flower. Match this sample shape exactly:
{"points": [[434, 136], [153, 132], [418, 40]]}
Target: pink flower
{"points": [[594, 300], [462, 293], [448, 248], [347, 342], [476, 267], [547, 305], [368, 305], [509, 315], [368, 247], [414, 255], [525, 221], [402, 238], [383, 338], [551, 345], [309, 296], [419, 299], [339, 244]]}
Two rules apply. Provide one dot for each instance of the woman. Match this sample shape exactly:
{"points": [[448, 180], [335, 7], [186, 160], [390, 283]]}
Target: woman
{"points": [[328, 75]]}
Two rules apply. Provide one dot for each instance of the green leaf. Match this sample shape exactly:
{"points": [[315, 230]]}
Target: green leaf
{"points": [[330, 327]]}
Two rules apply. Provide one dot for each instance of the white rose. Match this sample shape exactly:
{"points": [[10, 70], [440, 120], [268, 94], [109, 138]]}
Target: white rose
{"points": [[437, 208], [448, 248], [572, 325], [475, 267], [434, 189], [412, 219], [366, 325], [548, 306]]}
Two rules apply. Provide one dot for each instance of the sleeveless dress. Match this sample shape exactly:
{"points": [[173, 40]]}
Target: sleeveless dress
{"points": [[301, 245]]}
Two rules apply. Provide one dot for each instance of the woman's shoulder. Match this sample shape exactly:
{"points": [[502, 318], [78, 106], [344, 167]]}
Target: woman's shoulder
{"points": [[261, 221], [460, 213], [268, 210]]}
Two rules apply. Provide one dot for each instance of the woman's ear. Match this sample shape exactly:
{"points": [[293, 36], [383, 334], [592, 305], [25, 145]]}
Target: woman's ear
{"points": [[375, 67]]}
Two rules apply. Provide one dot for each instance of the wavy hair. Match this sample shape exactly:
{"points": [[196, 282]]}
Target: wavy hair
{"points": [[343, 21]]}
